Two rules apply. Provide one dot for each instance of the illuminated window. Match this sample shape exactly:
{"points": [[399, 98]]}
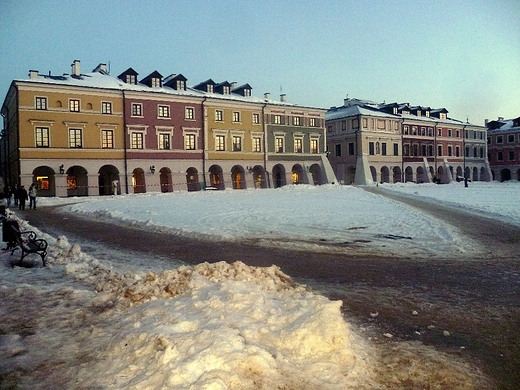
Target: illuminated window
{"points": [[107, 139], [298, 145], [75, 140], [42, 137], [74, 105], [163, 111], [137, 109], [257, 144], [164, 141], [220, 143], [312, 122], [277, 119], [219, 115], [43, 182], [189, 142], [189, 113], [296, 121], [236, 116], [106, 108], [279, 144], [137, 140], [314, 146], [237, 143], [256, 119], [41, 103]]}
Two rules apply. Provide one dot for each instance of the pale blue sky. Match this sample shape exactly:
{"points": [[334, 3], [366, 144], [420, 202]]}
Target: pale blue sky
{"points": [[460, 54]]}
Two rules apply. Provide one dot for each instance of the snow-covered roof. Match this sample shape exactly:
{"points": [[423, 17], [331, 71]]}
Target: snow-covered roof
{"points": [[355, 110], [105, 81], [504, 125]]}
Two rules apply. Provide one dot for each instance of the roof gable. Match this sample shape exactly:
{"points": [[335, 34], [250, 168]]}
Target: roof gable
{"points": [[154, 79]]}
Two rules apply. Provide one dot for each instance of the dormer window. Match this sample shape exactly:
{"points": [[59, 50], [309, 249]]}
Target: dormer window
{"points": [[175, 81], [181, 85], [130, 79], [210, 88], [244, 90], [156, 82], [442, 115], [394, 110], [129, 76], [225, 90], [206, 86]]}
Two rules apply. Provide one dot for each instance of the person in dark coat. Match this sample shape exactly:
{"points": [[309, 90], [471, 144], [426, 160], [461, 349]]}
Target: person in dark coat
{"points": [[22, 197]]}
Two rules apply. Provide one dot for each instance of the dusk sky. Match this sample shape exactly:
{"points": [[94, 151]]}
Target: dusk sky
{"points": [[463, 55]]}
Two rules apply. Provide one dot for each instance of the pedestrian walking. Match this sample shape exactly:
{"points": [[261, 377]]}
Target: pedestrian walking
{"points": [[33, 192], [22, 197], [15, 195], [8, 195]]}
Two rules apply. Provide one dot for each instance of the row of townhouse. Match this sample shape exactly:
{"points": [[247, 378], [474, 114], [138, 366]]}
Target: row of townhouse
{"points": [[95, 134], [387, 143], [504, 148]]}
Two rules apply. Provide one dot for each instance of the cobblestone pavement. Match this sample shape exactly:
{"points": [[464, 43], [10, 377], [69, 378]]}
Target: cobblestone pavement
{"points": [[475, 299]]}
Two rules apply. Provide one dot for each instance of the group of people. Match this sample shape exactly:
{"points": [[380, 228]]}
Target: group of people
{"points": [[20, 195]]}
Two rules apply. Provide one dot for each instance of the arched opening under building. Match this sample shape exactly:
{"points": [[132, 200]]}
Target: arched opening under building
{"points": [[317, 177], [505, 175], [475, 174], [279, 179], [259, 178], [192, 179], [238, 177], [483, 174], [165, 179], [77, 181], [385, 175], [396, 174], [422, 177], [216, 178], [408, 174], [108, 180], [297, 175], [373, 173], [43, 176], [440, 175], [459, 173], [351, 174], [138, 181]]}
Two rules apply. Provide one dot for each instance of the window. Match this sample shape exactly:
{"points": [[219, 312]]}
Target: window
{"points": [[219, 115], [74, 105], [42, 137], [298, 145], [474, 135], [383, 148], [189, 113], [137, 109], [405, 130], [106, 107], [351, 148], [137, 141], [164, 141], [338, 150], [189, 142], [107, 139], [457, 132], [467, 151], [41, 103], [296, 121], [481, 152], [163, 111], [511, 155], [156, 82], [500, 156], [499, 139], [457, 151], [371, 149], [257, 144], [236, 116], [449, 132], [439, 132], [439, 150], [396, 149], [75, 138], [256, 119], [430, 150], [237, 143], [406, 150], [415, 150], [314, 146], [279, 144], [511, 138], [130, 79], [343, 125], [450, 150], [312, 122], [220, 142], [277, 119]]}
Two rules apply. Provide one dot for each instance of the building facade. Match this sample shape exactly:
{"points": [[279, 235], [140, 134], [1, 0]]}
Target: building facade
{"points": [[503, 138], [388, 143], [91, 133]]}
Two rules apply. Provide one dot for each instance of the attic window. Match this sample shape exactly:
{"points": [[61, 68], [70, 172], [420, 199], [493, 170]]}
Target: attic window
{"points": [[225, 90], [130, 79], [442, 115], [210, 88], [156, 82], [247, 92], [394, 110], [181, 85]]}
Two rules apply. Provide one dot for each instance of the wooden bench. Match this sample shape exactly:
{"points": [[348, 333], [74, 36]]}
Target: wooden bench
{"points": [[28, 243]]}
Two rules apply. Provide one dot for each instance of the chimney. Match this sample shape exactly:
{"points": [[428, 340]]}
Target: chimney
{"points": [[283, 97], [267, 96], [33, 74], [75, 68], [486, 121], [500, 118]]}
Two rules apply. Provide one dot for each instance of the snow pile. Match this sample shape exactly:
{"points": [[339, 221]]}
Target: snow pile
{"points": [[218, 326]]}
